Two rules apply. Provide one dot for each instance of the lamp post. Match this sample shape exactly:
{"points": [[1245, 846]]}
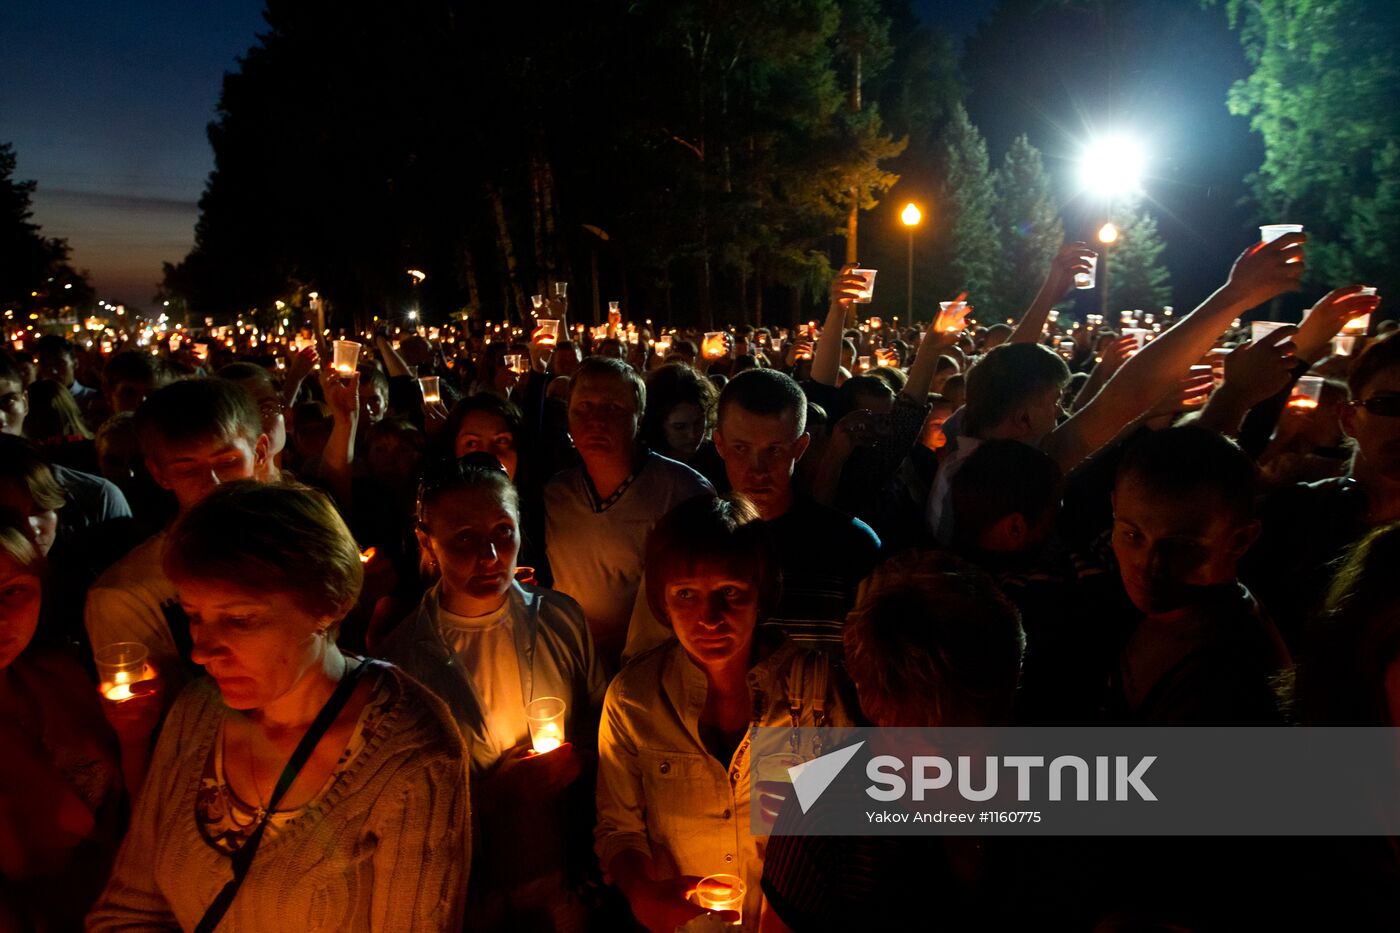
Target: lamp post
{"points": [[1108, 235], [911, 215]]}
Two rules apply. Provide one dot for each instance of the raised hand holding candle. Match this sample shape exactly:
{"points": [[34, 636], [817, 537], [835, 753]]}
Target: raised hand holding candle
{"points": [[345, 356]]}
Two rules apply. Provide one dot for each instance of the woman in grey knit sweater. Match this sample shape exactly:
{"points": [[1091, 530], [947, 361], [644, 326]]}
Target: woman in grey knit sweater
{"points": [[374, 831]]}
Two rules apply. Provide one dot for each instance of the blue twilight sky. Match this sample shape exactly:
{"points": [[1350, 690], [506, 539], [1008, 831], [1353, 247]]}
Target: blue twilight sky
{"points": [[106, 103]]}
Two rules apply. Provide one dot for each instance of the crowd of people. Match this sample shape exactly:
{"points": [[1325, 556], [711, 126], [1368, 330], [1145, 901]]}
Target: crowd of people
{"points": [[351, 589]]}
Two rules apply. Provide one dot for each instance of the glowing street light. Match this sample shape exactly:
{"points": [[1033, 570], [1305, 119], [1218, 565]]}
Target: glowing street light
{"points": [[911, 215], [1108, 234], [1112, 166]]}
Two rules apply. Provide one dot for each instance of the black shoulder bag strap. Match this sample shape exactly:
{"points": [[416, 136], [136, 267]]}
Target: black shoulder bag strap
{"points": [[243, 858]]}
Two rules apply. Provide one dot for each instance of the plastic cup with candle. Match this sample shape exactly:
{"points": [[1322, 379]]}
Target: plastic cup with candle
{"points": [[863, 363], [1344, 345], [561, 289], [537, 301], [1258, 330], [431, 391], [1270, 232], [545, 717], [345, 356], [515, 362], [867, 291], [713, 346], [1307, 393], [722, 892], [119, 666], [1087, 279], [549, 331]]}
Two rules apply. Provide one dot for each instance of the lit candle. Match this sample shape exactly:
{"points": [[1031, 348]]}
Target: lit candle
{"points": [[431, 392], [722, 892], [545, 717], [119, 666], [345, 356]]}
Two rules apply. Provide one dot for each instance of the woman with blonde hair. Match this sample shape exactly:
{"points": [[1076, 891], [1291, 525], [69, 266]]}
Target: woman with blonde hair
{"points": [[298, 788]]}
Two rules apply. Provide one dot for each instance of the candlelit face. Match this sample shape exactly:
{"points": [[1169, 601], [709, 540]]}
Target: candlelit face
{"points": [[473, 533], [193, 469], [255, 644], [128, 394], [714, 612], [760, 453], [603, 416], [18, 508], [1169, 547], [57, 366], [482, 430], [14, 405], [19, 609], [685, 429]]}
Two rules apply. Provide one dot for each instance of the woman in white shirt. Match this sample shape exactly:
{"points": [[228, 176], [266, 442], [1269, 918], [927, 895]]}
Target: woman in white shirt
{"points": [[674, 743], [488, 646]]}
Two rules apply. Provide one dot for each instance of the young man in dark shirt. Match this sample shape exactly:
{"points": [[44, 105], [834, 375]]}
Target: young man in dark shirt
{"points": [[824, 554], [1203, 653]]}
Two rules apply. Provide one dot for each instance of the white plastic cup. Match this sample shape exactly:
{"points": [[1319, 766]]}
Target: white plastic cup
{"points": [[120, 665], [1270, 232], [1258, 330], [561, 289], [550, 330], [863, 363], [545, 717], [431, 391], [722, 892], [1084, 280], [1358, 326], [537, 301], [712, 348], [867, 292], [515, 362], [1139, 335], [345, 356], [1343, 345], [1307, 393]]}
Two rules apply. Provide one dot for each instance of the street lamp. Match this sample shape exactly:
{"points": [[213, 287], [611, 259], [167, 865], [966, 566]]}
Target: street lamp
{"points": [[1108, 235], [911, 215]]}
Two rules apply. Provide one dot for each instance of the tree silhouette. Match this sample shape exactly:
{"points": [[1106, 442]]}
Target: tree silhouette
{"points": [[1028, 223]]}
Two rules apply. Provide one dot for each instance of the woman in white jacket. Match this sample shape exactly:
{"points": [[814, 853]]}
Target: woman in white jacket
{"points": [[674, 745]]}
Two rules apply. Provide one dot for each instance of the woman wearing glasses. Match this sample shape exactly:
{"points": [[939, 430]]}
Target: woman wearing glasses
{"points": [[489, 645]]}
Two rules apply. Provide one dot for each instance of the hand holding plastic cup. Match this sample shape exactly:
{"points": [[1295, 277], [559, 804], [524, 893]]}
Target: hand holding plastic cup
{"points": [[714, 345], [119, 666], [1258, 330], [867, 293], [722, 892], [549, 331], [1084, 280], [545, 717], [345, 356]]}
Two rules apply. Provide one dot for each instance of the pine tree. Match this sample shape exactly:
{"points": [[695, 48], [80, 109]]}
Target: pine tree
{"points": [[1028, 222], [34, 270], [1137, 275], [967, 203]]}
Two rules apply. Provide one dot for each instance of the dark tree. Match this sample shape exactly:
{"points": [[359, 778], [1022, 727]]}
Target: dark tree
{"points": [[34, 271]]}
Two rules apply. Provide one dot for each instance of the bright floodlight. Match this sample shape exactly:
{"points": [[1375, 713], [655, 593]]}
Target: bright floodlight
{"points": [[1112, 165], [1108, 234], [911, 215]]}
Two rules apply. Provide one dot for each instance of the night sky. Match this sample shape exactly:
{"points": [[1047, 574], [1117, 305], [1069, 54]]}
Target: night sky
{"points": [[107, 105]]}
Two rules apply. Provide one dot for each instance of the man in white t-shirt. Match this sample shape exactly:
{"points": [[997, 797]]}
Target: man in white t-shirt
{"points": [[598, 515], [195, 434]]}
